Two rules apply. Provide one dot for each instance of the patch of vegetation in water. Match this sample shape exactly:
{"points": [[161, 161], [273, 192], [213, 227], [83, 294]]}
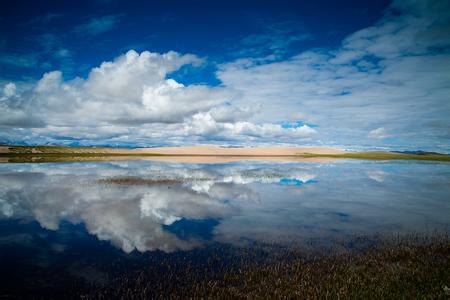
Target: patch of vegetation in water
{"points": [[408, 267], [134, 180]]}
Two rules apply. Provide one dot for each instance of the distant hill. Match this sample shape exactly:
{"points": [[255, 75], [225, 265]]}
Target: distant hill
{"points": [[418, 152]]}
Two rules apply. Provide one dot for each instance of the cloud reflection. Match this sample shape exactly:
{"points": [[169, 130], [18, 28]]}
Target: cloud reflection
{"points": [[131, 217], [144, 205]]}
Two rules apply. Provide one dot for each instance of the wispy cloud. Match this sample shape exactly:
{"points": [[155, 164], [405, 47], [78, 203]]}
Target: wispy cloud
{"points": [[394, 74], [98, 25], [274, 41], [45, 19], [19, 60], [379, 133], [386, 80], [53, 52]]}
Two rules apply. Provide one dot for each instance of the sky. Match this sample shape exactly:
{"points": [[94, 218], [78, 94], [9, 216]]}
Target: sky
{"points": [[350, 74]]}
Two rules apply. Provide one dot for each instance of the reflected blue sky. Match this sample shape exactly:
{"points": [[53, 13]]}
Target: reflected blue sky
{"points": [[184, 206]]}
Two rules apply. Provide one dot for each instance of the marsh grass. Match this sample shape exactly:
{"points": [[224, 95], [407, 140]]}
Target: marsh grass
{"points": [[134, 180], [399, 268]]}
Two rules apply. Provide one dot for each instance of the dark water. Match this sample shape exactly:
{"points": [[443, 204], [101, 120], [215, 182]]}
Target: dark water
{"points": [[68, 224]]}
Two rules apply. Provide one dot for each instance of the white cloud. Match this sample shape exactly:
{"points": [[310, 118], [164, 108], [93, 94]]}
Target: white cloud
{"points": [[379, 133], [205, 124], [228, 113], [129, 99], [377, 175], [131, 89], [394, 73], [9, 90], [133, 218]]}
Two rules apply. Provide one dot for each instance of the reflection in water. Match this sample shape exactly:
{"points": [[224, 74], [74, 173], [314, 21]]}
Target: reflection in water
{"points": [[151, 205]]}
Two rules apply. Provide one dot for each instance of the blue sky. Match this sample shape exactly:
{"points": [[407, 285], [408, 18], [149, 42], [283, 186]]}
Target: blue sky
{"points": [[43, 35], [351, 74]]}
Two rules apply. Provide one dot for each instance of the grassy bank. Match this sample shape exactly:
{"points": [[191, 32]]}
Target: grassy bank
{"points": [[67, 157], [383, 156], [36, 154]]}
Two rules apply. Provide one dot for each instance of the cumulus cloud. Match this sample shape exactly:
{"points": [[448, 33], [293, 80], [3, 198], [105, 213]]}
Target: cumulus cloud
{"points": [[133, 218], [130, 98], [393, 74], [12, 113], [9, 90], [228, 113], [251, 201], [205, 124]]}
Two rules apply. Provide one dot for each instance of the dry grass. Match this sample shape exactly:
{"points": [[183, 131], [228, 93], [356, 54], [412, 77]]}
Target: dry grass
{"points": [[408, 268], [133, 180]]}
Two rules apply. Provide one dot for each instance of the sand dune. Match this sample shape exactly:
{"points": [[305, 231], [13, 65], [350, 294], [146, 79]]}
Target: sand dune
{"points": [[187, 154], [183, 150], [211, 159], [4, 149], [254, 151]]}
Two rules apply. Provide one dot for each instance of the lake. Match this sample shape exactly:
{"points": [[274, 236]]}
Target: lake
{"points": [[67, 225]]}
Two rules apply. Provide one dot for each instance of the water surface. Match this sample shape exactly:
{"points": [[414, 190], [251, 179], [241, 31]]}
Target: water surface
{"points": [[73, 218]]}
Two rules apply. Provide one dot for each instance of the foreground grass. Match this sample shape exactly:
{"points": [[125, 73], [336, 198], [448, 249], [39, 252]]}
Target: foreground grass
{"points": [[405, 269], [409, 267]]}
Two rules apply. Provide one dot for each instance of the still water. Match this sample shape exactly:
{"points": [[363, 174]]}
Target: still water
{"points": [[67, 219]]}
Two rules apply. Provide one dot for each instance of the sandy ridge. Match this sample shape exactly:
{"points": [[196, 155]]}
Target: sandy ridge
{"points": [[253, 151], [189, 150]]}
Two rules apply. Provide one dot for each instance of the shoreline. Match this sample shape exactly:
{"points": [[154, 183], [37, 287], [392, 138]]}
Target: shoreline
{"points": [[200, 154]]}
